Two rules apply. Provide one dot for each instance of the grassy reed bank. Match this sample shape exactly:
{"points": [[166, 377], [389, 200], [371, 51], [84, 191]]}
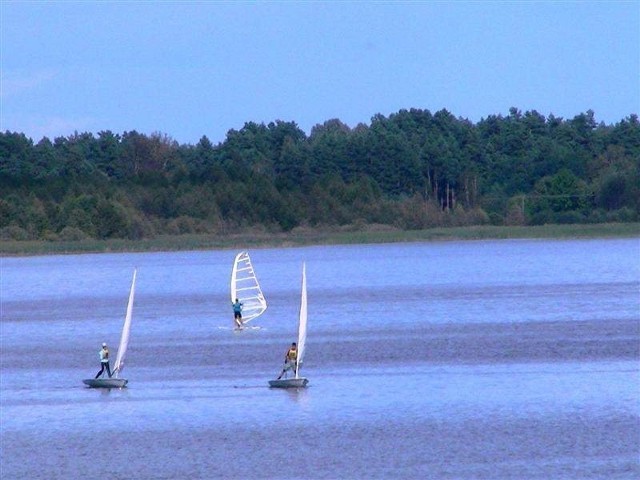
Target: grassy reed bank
{"points": [[300, 237]]}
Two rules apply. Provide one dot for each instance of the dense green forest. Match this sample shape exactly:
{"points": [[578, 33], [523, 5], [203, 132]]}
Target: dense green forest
{"points": [[412, 170]]}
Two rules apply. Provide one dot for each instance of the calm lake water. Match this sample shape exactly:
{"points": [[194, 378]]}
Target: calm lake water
{"points": [[487, 359]]}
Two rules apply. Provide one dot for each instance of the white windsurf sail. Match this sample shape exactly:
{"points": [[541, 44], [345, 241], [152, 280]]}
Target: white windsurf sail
{"points": [[245, 287], [124, 338], [302, 323]]}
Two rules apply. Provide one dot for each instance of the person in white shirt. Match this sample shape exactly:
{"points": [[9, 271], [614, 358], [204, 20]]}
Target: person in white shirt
{"points": [[104, 360]]}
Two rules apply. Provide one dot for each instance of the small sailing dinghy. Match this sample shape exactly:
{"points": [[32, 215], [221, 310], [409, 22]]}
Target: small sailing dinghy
{"points": [[297, 381], [246, 289], [115, 381]]}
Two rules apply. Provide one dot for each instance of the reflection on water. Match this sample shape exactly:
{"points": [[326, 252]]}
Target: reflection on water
{"points": [[492, 359]]}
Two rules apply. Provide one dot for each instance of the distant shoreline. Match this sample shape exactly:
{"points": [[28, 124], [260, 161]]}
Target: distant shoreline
{"points": [[306, 237]]}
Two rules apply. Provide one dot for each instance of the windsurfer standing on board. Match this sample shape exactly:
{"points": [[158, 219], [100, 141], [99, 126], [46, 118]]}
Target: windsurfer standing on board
{"points": [[104, 360], [289, 359], [237, 313]]}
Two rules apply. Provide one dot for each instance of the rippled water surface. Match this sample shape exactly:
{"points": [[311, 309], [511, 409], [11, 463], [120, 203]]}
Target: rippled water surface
{"points": [[491, 359]]}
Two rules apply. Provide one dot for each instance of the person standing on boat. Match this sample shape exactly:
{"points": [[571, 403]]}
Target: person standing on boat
{"points": [[289, 359], [237, 312], [104, 360]]}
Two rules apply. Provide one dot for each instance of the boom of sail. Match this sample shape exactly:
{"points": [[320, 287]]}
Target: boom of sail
{"points": [[245, 287]]}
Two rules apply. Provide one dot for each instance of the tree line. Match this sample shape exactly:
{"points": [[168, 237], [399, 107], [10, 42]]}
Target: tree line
{"points": [[411, 170]]}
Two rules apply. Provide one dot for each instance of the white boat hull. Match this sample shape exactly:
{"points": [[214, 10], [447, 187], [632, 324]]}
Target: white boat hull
{"points": [[289, 383], [105, 382]]}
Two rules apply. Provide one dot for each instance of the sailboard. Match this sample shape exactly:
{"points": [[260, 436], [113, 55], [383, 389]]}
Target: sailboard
{"points": [[115, 381], [245, 288], [297, 381]]}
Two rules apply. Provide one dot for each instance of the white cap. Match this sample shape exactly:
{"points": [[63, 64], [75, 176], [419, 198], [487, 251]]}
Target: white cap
{"points": [[104, 344]]}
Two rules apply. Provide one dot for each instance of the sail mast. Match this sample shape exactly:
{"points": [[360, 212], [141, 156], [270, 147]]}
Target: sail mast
{"points": [[302, 323], [124, 337], [234, 275]]}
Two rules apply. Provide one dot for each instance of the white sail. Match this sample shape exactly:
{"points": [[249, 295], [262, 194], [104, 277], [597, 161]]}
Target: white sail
{"points": [[245, 287], [302, 322], [124, 338]]}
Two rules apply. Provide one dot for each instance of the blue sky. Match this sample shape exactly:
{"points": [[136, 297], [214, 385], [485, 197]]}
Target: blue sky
{"points": [[193, 68]]}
